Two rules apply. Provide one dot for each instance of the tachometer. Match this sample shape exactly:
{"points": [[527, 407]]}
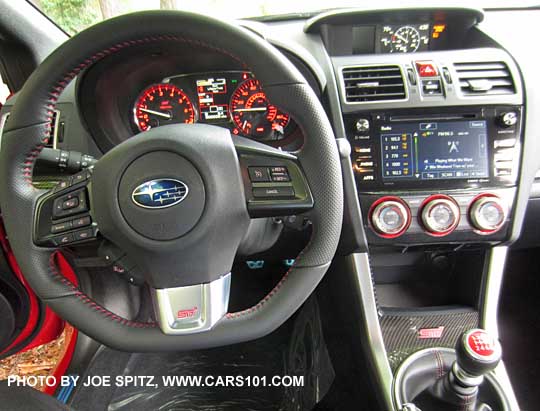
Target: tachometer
{"points": [[162, 104], [254, 116]]}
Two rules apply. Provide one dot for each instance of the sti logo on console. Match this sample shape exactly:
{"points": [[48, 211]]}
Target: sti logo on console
{"points": [[161, 193]]}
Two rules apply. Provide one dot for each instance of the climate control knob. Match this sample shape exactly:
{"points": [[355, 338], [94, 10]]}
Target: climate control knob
{"points": [[439, 215], [488, 213], [390, 217]]}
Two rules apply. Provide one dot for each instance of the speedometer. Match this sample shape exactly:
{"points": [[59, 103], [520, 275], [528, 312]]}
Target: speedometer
{"points": [[406, 39], [403, 39], [162, 104], [254, 116]]}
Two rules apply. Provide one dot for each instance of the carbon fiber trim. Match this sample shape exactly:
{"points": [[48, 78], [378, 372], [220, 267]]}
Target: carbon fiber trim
{"points": [[401, 332]]}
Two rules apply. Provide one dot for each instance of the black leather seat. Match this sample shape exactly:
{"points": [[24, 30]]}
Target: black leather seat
{"points": [[26, 398]]}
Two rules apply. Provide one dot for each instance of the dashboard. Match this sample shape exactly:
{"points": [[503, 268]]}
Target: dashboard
{"points": [[429, 102]]}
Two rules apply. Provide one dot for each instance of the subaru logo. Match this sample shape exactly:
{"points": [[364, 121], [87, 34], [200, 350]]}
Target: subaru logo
{"points": [[161, 193]]}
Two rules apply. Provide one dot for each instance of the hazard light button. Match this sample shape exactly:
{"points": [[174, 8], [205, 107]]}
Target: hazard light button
{"points": [[426, 69]]}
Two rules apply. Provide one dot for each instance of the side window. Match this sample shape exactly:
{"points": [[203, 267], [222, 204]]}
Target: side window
{"points": [[4, 92]]}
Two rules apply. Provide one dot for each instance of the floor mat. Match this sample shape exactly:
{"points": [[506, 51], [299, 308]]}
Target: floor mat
{"points": [[295, 349]]}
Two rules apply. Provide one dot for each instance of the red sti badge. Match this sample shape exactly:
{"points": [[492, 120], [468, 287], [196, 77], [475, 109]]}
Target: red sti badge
{"points": [[481, 343], [429, 333], [188, 313]]}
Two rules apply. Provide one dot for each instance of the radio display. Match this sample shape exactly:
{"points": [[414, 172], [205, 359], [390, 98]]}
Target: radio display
{"points": [[434, 150]]}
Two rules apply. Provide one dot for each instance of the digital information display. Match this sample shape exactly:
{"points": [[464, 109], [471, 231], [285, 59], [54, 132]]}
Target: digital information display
{"points": [[213, 99], [434, 150]]}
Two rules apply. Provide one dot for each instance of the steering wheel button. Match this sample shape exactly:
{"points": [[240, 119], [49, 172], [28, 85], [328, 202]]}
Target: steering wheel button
{"points": [[71, 203], [81, 222], [63, 239], [58, 228], [258, 174], [273, 192], [83, 235], [62, 185]]}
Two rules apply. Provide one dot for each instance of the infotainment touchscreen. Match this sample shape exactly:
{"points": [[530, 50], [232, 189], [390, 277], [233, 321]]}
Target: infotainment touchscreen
{"points": [[432, 150]]}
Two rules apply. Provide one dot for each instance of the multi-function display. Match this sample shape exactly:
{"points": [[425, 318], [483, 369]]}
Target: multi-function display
{"points": [[432, 150]]}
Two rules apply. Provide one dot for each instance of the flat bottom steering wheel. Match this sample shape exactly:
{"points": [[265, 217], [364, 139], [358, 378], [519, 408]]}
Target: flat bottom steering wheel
{"points": [[185, 252]]}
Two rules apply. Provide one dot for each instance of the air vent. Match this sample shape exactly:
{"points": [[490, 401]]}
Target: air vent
{"points": [[484, 78], [373, 83]]}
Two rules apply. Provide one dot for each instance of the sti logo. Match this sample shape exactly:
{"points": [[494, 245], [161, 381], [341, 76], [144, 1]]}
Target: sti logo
{"points": [[188, 313], [429, 333]]}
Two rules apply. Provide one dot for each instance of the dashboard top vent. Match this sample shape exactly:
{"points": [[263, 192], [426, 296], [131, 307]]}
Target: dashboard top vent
{"points": [[364, 84], [484, 78]]}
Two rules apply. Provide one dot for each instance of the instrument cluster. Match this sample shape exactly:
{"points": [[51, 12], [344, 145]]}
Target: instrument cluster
{"points": [[232, 99]]}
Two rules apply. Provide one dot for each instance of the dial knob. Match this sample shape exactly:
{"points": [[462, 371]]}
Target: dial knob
{"points": [[440, 215], [390, 217], [488, 213], [362, 125], [508, 119]]}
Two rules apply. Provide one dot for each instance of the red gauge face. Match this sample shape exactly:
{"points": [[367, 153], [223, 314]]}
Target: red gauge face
{"points": [[162, 104], [254, 116]]}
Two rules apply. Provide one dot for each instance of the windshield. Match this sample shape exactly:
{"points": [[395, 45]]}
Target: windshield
{"points": [[75, 15]]}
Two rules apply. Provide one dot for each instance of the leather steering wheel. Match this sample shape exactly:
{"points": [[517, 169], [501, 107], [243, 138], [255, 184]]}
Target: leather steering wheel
{"points": [[184, 251]]}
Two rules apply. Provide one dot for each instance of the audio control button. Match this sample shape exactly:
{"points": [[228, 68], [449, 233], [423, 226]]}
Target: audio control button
{"points": [[488, 214], [390, 217], [440, 215]]}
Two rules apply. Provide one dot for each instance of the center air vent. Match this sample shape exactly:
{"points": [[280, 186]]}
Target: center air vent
{"points": [[373, 83], [484, 78]]}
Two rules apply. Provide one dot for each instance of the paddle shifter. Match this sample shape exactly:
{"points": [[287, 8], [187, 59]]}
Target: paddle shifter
{"points": [[477, 353]]}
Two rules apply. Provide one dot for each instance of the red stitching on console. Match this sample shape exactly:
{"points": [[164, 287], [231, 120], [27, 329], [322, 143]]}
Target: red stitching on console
{"points": [[62, 84], [88, 301]]}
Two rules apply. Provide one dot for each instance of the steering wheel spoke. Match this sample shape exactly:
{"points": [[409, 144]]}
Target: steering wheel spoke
{"points": [[192, 308], [274, 182], [63, 215]]}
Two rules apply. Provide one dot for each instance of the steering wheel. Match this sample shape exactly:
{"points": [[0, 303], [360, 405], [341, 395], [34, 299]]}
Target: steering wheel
{"points": [[177, 200]]}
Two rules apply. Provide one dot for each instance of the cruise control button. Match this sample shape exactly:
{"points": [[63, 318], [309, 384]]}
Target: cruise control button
{"points": [[258, 174], [273, 192], [81, 222], [58, 228]]}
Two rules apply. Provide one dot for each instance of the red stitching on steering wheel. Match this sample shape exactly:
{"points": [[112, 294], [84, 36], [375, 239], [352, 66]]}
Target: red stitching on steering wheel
{"points": [[30, 160], [57, 89], [88, 301]]}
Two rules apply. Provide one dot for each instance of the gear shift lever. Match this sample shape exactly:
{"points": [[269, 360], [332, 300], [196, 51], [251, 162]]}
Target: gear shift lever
{"points": [[477, 354]]}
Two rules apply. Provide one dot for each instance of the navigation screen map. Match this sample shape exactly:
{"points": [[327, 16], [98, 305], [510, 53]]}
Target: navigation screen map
{"points": [[434, 150]]}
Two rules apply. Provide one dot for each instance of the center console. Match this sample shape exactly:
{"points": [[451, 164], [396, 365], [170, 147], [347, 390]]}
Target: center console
{"points": [[435, 129], [438, 174]]}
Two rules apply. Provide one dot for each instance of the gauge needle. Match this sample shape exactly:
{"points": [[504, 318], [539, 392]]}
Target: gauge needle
{"points": [[251, 109], [156, 113], [401, 37]]}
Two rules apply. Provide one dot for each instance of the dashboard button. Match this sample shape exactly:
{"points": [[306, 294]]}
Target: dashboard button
{"points": [[440, 215], [390, 217], [426, 69], [488, 213], [431, 87]]}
